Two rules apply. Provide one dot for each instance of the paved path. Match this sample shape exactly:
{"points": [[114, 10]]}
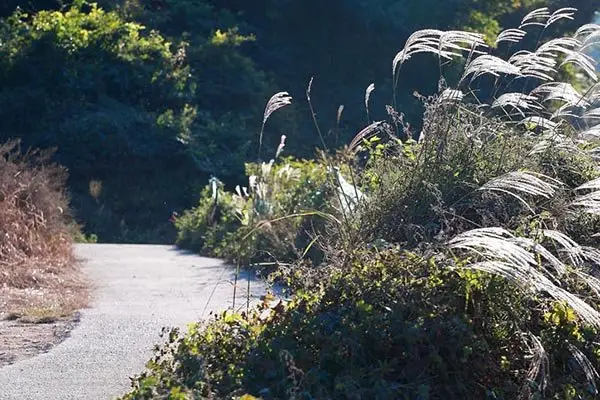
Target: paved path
{"points": [[138, 289]]}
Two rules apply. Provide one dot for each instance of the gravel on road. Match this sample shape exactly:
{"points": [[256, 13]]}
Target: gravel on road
{"points": [[136, 291]]}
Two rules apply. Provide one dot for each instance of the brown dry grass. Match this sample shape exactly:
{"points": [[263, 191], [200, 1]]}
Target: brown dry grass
{"points": [[39, 275]]}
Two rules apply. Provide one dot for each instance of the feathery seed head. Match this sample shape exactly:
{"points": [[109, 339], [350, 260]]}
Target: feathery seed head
{"points": [[277, 101]]}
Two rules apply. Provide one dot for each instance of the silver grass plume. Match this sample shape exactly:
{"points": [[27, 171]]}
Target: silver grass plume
{"points": [[591, 133], [571, 48], [577, 255], [368, 92], [443, 44], [281, 146], [583, 61], [458, 42], [586, 30], [540, 364], [368, 132], [593, 113], [534, 65], [277, 101], [450, 96], [589, 37], [595, 154], [505, 255], [518, 183], [567, 110], [555, 142], [510, 35], [532, 245], [309, 88], [426, 40], [518, 101], [534, 17], [556, 46], [488, 64], [593, 94], [588, 369], [559, 91], [589, 202], [561, 13], [339, 113]]}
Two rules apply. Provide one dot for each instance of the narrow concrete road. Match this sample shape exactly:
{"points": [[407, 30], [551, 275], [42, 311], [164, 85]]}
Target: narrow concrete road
{"points": [[137, 289]]}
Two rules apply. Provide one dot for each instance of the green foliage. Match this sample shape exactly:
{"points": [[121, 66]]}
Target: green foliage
{"points": [[95, 98], [429, 190], [128, 108], [166, 93], [392, 325], [197, 232]]}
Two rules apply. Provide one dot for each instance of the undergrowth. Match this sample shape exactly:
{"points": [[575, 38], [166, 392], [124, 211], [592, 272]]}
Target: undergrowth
{"points": [[391, 325]]}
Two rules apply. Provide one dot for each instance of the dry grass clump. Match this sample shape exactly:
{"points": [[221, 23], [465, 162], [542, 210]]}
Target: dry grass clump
{"points": [[38, 272]]}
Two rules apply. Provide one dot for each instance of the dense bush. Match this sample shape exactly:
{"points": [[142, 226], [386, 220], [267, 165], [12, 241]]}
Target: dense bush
{"points": [[459, 153], [151, 97], [143, 116], [390, 325]]}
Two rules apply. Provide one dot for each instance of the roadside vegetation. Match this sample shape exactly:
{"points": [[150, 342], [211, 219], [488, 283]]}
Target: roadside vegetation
{"points": [[39, 276], [455, 260]]}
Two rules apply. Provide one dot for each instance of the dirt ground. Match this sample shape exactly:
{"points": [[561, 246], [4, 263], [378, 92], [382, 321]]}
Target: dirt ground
{"points": [[20, 339], [33, 320]]}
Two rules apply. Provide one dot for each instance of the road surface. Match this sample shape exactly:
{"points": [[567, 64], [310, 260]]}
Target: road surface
{"points": [[137, 289]]}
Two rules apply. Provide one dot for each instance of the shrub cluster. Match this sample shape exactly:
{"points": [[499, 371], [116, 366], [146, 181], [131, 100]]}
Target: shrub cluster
{"points": [[392, 325], [271, 220]]}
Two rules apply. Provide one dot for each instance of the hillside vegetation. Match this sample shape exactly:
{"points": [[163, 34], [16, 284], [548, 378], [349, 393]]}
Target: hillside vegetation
{"points": [[145, 100], [456, 258]]}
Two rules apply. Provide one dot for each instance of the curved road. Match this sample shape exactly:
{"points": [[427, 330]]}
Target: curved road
{"points": [[137, 289]]}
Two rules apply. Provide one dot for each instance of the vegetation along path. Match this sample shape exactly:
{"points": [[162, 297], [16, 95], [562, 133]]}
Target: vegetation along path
{"points": [[137, 289]]}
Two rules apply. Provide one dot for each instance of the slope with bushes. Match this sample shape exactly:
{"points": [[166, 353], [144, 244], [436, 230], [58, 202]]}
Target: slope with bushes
{"points": [[460, 260]]}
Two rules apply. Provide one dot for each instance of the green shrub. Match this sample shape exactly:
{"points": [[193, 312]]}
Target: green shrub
{"points": [[392, 325], [148, 115], [269, 222], [209, 228]]}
